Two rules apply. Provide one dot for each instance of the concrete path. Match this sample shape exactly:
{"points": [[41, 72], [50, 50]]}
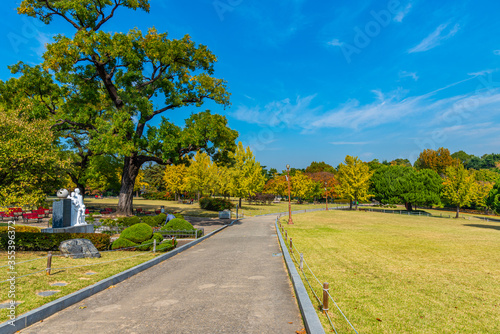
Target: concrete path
{"points": [[231, 283]]}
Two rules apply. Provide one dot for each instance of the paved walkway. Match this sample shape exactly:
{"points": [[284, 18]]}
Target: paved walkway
{"points": [[230, 283]]}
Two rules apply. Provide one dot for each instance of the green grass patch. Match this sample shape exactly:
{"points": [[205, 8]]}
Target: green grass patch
{"points": [[403, 274], [76, 278]]}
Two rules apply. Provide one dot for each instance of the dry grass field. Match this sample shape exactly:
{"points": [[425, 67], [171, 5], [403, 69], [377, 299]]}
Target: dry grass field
{"points": [[404, 274]]}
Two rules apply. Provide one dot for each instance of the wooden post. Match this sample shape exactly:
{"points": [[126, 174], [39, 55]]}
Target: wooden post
{"points": [[325, 297], [154, 246], [301, 265], [49, 262], [286, 235], [291, 246]]}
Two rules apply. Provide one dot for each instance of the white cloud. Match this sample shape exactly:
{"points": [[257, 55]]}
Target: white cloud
{"points": [[43, 39], [482, 73], [335, 42], [435, 38], [401, 15], [405, 74]]}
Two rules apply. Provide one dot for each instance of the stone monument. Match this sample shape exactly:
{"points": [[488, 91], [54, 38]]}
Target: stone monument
{"points": [[68, 214]]}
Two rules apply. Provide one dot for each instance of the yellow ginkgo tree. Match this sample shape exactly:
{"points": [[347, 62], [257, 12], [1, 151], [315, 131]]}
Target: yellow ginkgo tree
{"points": [[459, 186], [354, 180], [176, 179]]}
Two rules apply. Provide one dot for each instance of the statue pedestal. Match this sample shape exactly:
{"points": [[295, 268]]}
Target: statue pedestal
{"points": [[61, 213], [70, 229]]}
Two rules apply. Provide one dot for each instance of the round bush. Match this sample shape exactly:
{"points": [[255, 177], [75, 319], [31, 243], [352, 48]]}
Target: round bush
{"points": [[137, 233], [178, 224], [158, 237], [178, 215], [165, 246], [122, 243]]}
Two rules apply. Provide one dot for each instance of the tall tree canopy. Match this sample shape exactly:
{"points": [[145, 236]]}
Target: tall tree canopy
{"points": [[112, 85], [493, 199], [459, 186], [404, 185], [316, 167], [354, 180], [436, 160], [30, 162]]}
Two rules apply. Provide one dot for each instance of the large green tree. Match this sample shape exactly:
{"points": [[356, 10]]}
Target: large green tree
{"points": [[404, 185], [114, 84], [30, 162], [493, 199]]}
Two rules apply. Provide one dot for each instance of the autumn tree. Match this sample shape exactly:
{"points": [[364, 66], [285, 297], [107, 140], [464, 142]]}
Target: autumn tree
{"points": [[175, 178], [107, 83], [324, 180], [246, 173], [436, 160], [354, 180], [316, 167], [277, 186], [199, 174], [459, 186], [302, 186], [31, 165]]}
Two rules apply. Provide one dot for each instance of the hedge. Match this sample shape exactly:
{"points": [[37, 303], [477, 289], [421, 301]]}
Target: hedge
{"points": [[123, 243], [215, 204], [29, 241], [166, 246], [178, 224], [19, 228]]}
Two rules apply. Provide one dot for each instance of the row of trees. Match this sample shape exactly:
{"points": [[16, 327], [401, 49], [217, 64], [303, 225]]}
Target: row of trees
{"points": [[437, 179]]}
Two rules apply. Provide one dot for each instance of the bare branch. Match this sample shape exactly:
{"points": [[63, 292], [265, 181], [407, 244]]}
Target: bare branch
{"points": [[105, 19]]}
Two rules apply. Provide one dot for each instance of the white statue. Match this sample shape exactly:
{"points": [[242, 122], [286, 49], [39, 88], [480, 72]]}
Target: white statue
{"points": [[78, 207]]}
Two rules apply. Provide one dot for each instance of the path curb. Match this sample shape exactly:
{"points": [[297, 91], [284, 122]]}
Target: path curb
{"points": [[57, 305], [309, 315]]}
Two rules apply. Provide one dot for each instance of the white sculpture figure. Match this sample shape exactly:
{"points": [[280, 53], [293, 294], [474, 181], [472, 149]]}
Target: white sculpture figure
{"points": [[78, 207]]}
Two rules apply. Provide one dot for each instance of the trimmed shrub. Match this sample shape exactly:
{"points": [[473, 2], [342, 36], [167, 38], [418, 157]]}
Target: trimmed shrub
{"points": [[215, 204], [166, 246], [177, 215], [137, 233], [149, 220], [32, 241], [20, 228], [128, 221], [160, 219], [178, 224], [123, 243], [158, 237]]}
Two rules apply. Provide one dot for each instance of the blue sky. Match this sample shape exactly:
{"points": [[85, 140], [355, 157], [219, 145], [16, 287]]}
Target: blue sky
{"points": [[315, 81]]}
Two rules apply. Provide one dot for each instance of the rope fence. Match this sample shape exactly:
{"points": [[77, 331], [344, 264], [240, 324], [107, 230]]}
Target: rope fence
{"points": [[324, 286]]}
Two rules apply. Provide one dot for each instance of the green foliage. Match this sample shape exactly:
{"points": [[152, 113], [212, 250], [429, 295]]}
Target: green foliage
{"points": [[404, 185], [166, 246], [316, 167], [178, 215], [28, 241], [493, 199], [159, 195], [487, 161], [20, 228], [459, 186], [354, 179], [137, 233], [215, 204], [158, 237], [178, 224], [128, 221], [123, 243]]}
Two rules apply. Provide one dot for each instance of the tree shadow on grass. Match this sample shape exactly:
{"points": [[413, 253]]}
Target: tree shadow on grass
{"points": [[493, 227]]}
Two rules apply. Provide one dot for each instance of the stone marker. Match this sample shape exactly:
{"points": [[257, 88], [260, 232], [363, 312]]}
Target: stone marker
{"points": [[78, 248]]}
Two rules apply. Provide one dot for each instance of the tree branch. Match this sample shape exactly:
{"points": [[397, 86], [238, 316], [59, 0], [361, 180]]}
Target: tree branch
{"points": [[172, 106], [105, 19], [55, 12]]}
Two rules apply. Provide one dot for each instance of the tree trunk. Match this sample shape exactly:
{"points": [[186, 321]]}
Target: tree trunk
{"points": [[408, 206], [356, 199], [458, 210], [130, 171], [350, 204], [239, 203]]}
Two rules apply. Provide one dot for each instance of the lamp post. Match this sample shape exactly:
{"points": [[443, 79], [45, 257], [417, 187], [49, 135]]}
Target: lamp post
{"points": [[290, 221], [326, 194]]}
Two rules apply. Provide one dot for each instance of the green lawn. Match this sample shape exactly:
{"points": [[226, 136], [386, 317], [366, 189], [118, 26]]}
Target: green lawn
{"points": [[77, 278], [414, 274]]}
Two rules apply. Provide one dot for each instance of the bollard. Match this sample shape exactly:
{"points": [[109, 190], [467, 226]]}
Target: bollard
{"points": [[154, 246], [301, 265], [173, 241], [286, 235], [49, 262], [325, 297], [291, 246]]}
